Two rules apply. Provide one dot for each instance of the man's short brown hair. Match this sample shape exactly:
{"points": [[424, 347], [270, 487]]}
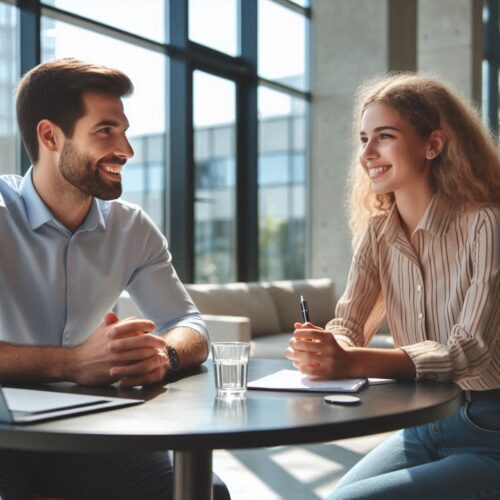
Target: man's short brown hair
{"points": [[54, 91]]}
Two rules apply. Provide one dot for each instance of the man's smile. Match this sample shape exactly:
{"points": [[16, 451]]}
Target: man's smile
{"points": [[111, 170], [112, 166]]}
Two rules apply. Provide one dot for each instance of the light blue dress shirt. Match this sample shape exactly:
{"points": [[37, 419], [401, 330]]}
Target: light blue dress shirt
{"points": [[55, 286]]}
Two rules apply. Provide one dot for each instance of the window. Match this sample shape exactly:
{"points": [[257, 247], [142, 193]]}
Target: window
{"points": [[214, 116], [282, 45], [283, 123], [214, 23], [9, 71], [282, 187], [218, 118], [146, 18]]}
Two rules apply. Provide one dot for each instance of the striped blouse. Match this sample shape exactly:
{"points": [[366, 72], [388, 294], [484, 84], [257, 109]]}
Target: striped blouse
{"points": [[441, 293]]}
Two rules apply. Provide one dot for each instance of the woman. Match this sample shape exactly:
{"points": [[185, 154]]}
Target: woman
{"points": [[425, 215]]}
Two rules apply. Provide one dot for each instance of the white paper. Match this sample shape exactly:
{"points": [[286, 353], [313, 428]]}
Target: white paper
{"points": [[293, 380], [379, 381], [35, 401]]}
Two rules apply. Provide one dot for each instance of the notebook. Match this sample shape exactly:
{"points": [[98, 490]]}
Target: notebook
{"points": [[25, 406], [293, 380]]}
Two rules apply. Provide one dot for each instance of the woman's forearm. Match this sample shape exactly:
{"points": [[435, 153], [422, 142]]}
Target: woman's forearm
{"points": [[383, 363]]}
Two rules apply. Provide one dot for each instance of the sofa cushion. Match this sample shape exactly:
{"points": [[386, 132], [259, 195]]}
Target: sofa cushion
{"points": [[319, 294], [238, 299], [270, 347]]}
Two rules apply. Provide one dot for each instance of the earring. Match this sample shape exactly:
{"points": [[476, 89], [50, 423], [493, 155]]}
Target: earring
{"points": [[430, 155]]}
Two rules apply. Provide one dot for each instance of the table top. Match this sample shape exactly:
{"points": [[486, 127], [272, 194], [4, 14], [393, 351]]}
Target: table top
{"points": [[186, 415]]}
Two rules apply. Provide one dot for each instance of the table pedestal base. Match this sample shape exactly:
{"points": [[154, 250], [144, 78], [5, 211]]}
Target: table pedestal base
{"points": [[193, 475]]}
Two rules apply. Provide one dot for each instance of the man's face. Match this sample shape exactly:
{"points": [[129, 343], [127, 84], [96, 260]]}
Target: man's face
{"points": [[93, 158]]}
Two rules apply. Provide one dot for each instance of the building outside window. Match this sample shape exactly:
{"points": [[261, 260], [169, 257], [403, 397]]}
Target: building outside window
{"points": [[282, 185], [282, 59], [214, 121]]}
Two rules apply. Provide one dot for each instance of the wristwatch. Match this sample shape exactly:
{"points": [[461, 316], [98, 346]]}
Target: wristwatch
{"points": [[173, 358]]}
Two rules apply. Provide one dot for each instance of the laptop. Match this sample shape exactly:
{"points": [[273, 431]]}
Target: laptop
{"points": [[26, 406]]}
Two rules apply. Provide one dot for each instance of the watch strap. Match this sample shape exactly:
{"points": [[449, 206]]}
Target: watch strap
{"points": [[173, 358]]}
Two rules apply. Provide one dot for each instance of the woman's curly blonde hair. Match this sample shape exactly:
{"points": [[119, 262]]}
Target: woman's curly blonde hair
{"points": [[467, 172]]}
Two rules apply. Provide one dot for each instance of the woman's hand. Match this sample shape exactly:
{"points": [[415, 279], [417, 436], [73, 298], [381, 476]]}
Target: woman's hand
{"points": [[316, 353]]}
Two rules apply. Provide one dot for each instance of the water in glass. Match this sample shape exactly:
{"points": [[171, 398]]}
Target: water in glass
{"points": [[231, 377]]}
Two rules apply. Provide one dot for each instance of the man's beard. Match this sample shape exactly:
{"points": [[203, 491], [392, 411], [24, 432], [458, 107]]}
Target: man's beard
{"points": [[84, 173]]}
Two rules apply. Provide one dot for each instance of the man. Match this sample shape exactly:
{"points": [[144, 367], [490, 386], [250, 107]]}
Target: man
{"points": [[68, 248]]}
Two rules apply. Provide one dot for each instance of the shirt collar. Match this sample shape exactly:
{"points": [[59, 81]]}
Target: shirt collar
{"points": [[391, 226], [96, 218], [435, 220], [39, 214]]}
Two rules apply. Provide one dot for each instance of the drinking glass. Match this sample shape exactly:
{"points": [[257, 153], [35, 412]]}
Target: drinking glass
{"points": [[231, 368]]}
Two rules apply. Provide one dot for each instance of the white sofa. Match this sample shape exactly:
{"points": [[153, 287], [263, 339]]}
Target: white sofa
{"points": [[262, 313], [271, 309]]}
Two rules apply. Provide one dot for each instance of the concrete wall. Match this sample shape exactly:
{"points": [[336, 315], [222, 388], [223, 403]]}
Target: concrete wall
{"points": [[9, 150], [353, 40], [450, 42]]}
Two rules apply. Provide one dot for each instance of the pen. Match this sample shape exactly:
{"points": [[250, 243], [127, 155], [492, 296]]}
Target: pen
{"points": [[304, 309]]}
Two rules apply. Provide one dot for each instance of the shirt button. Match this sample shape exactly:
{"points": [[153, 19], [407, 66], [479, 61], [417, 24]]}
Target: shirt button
{"points": [[419, 288], [420, 315], [66, 336]]}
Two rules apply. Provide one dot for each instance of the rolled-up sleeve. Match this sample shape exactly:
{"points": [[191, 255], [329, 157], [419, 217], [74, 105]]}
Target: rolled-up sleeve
{"points": [[157, 290]]}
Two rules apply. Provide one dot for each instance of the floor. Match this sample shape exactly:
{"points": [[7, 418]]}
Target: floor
{"points": [[306, 472]]}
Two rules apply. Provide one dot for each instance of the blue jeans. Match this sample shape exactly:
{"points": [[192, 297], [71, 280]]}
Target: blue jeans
{"points": [[87, 476], [457, 458]]}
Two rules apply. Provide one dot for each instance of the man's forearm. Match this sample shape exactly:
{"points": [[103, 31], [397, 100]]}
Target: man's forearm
{"points": [[190, 345], [20, 363]]}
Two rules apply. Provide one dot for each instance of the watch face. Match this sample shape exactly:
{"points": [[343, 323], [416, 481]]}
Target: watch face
{"points": [[173, 358]]}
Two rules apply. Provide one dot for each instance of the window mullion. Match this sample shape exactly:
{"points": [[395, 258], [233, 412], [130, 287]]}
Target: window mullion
{"points": [[29, 29], [247, 155]]}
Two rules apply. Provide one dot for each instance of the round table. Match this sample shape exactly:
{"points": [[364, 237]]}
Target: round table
{"points": [[185, 416]]}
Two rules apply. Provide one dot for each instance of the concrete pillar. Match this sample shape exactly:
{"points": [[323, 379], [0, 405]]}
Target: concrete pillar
{"points": [[450, 43], [351, 41]]}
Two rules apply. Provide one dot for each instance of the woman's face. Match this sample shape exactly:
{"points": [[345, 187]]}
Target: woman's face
{"points": [[392, 153]]}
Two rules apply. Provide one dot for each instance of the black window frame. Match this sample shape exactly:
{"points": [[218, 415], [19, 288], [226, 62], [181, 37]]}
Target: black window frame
{"points": [[492, 59]]}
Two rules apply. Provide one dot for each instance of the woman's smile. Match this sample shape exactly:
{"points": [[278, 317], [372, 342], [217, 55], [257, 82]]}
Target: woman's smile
{"points": [[376, 172]]}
